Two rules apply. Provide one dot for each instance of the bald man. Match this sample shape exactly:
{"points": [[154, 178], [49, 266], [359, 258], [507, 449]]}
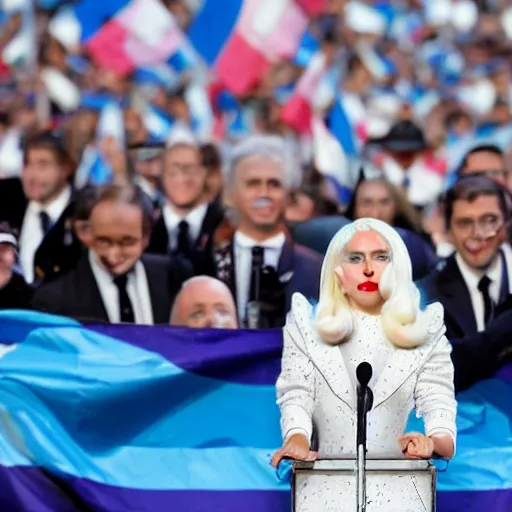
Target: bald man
{"points": [[204, 302]]}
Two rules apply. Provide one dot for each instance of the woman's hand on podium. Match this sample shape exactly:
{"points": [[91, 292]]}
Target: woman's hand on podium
{"points": [[416, 446], [297, 448]]}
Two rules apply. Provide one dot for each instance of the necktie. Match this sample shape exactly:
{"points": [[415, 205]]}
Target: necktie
{"points": [[253, 307], [46, 222], [256, 268], [183, 238], [125, 304], [483, 286]]}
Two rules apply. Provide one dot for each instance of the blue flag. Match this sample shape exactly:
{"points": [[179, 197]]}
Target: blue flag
{"points": [[212, 27], [139, 419], [340, 126]]}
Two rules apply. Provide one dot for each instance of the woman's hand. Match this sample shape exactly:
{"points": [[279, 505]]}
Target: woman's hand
{"points": [[416, 446], [297, 448]]}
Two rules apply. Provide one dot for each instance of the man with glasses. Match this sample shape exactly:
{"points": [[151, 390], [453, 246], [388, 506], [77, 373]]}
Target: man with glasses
{"points": [[114, 282], [476, 280], [188, 221]]}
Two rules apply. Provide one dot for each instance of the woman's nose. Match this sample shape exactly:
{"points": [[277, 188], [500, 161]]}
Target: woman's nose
{"points": [[368, 270]]}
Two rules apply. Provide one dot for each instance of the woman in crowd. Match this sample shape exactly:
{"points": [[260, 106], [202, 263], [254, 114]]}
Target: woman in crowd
{"points": [[377, 198]]}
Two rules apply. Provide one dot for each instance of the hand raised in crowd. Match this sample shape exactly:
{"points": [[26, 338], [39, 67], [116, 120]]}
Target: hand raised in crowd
{"points": [[416, 446], [297, 448]]}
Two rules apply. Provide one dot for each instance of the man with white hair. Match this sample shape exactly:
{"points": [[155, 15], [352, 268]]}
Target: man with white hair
{"points": [[204, 302], [260, 263], [188, 221]]}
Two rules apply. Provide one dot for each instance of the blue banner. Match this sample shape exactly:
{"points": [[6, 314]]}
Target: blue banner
{"points": [[124, 418]]}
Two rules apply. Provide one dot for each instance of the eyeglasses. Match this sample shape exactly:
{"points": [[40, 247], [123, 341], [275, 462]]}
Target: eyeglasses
{"points": [[123, 243], [488, 173], [486, 225], [184, 170]]}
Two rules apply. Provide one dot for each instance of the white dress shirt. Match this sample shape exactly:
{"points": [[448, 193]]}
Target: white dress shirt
{"points": [[243, 262], [472, 278], [424, 185], [194, 218], [137, 288], [32, 233]]}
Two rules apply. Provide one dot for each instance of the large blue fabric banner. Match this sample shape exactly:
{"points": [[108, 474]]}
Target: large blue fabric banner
{"points": [[139, 419]]}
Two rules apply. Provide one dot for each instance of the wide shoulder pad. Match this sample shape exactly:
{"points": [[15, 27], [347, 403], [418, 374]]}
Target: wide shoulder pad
{"points": [[435, 318]]}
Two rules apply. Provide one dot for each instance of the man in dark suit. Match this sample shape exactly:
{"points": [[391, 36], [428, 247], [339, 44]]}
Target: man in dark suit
{"points": [[188, 221], [317, 233], [39, 207], [473, 282], [114, 282], [478, 356], [259, 261]]}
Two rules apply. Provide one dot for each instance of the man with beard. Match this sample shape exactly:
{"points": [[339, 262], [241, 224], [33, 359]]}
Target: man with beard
{"points": [[474, 283], [259, 262]]}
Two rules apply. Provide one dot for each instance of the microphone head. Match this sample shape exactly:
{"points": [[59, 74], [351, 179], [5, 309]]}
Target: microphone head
{"points": [[364, 373]]}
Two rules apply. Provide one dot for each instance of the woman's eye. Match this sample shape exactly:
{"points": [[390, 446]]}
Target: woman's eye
{"points": [[354, 258], [382, 257]]}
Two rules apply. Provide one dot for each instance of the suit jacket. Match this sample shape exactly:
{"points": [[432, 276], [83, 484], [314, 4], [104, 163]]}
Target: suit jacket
{"points": [[446, 285], [479, 355], [59, 251], [77, 295], [299, 269], [16, 294], [315, 389], [201, 255], [319, 231]]}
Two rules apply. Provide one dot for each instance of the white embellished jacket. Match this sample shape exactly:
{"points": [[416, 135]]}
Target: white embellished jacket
{"points": [[315, 388]]}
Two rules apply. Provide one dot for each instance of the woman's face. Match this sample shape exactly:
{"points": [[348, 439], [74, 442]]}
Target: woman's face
{"points": [[374, 200], [363, 261]]}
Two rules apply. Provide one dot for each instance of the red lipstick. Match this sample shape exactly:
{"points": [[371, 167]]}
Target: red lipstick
{"points": [[368, 286]]}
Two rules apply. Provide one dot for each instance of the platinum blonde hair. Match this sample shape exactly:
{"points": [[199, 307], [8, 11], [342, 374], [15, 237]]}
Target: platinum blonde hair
{"points": [[270, 147], [404, 324]]}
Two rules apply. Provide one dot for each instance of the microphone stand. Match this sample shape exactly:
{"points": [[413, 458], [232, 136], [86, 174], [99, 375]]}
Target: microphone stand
{"points": [[364, 404]]}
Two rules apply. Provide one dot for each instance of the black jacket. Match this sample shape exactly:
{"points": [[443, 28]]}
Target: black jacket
{"points": [[59, 251], [77, 295], [16, 294], [478, 356], [201, 254], [298, 271]]}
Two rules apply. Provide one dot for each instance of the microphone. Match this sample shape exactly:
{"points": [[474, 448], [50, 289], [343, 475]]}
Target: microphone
{"points": [[364, 373], [364, 399]]}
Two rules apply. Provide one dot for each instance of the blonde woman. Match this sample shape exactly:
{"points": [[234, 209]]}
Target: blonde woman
{"points": [[368, 311]]}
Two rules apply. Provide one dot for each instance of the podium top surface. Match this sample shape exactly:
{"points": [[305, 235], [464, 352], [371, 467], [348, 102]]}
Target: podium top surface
{"points": [[371, 465]]}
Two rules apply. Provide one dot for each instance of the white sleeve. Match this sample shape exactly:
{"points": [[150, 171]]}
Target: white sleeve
{"points": [[295, 386], [434, 393]]}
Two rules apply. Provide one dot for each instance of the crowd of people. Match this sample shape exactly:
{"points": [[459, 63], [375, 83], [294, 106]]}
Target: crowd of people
{"points": [[220, 230]]}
